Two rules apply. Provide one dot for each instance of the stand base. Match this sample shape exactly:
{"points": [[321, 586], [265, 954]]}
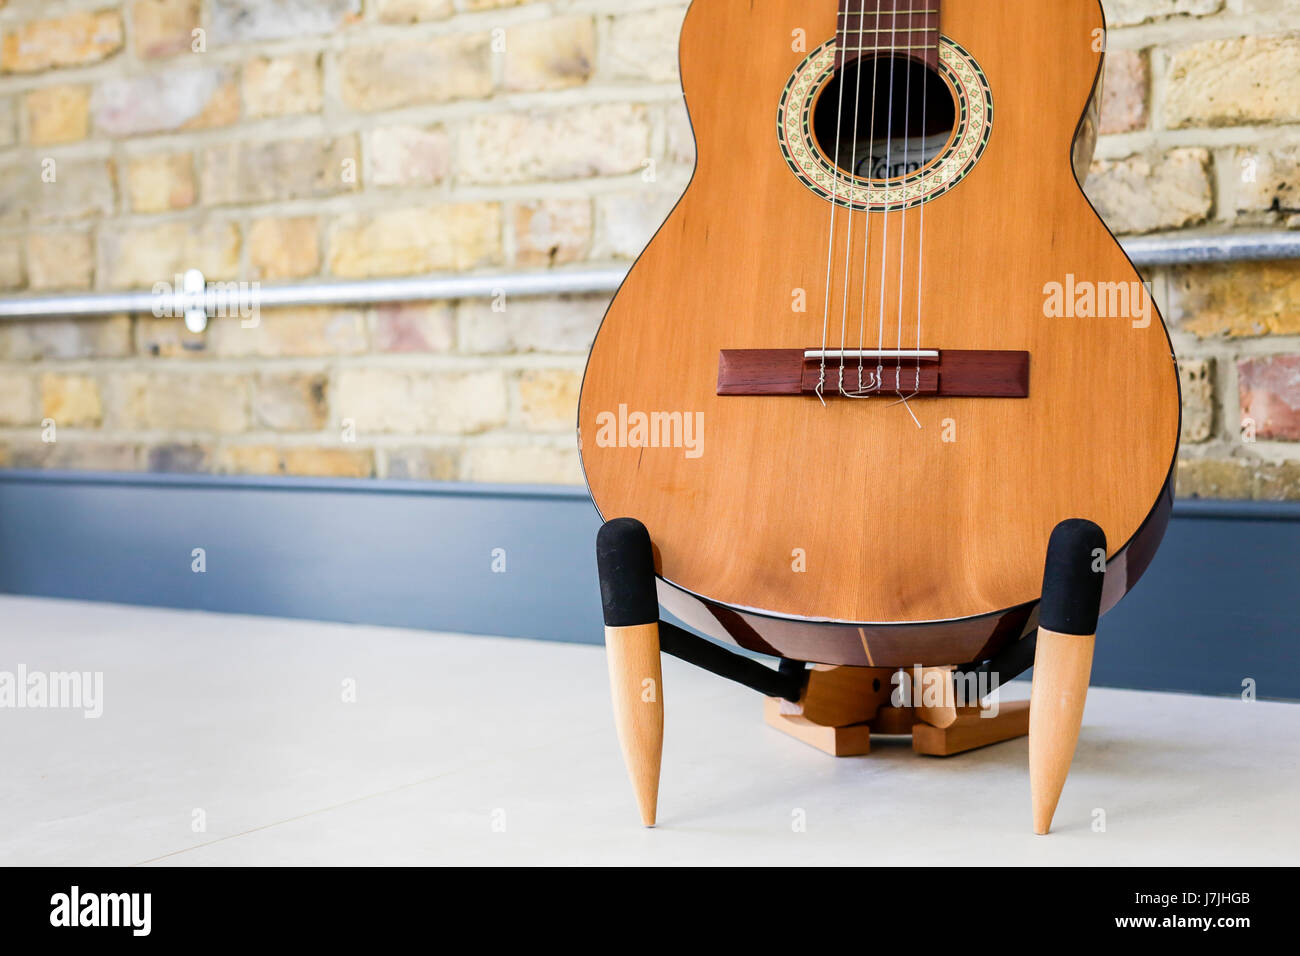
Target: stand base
{"points": [[936, 731], [836, 709], [851, 741]]}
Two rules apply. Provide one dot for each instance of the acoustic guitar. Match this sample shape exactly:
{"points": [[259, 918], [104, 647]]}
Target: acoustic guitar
{"points": [[883, 344]]}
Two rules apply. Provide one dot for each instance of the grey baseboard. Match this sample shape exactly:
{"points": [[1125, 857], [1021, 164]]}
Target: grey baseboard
{"points": [[1218, 606]]}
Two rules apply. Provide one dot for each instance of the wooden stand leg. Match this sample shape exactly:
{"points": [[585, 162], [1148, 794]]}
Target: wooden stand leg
{"points": [[1062, 666], [1068, 614], [627, 587], [635, 680]]}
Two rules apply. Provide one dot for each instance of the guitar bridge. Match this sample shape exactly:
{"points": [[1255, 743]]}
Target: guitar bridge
{"points": [[934, 373]]}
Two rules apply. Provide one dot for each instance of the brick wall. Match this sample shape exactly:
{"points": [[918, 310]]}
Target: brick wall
{"points": [[275, 140]]}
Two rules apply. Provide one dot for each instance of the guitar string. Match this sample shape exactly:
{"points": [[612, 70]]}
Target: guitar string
{"points": [[830, 241], [853, 172], [920, 242], [884, 239], [902, 241], [902, 223], [867, 383], [877, 385], [863, 388]]}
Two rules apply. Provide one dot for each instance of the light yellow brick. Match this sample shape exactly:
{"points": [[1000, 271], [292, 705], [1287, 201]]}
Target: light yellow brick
{"points": [[1144, 194], [315, 331], [522, 464], [329, 462], [57, 114], [73, 40], [167, 337], [1236, 299], [1234, 82], [72, 400], [13, 274], [282, 85], [135, 257], [607, 139], [18, 402], [279, 170], [421, 464], [404, 402], [249, 460], [410, 72], [1197, 379], [552, 232], [79, 454], [205, 402], [562, 324], [1239, 479], [294, 460], [8, 120], [408, 156], [75, 189], [549, 54], [1122, 13], [164, 27], [410, 11], [42, 339], [1261, 185], [410, 241], [60, 260], [160, 182], [490, 4], [547, 399], [1124, 91], [240, 22], [290, 401], [643, 45], [284, 248]]}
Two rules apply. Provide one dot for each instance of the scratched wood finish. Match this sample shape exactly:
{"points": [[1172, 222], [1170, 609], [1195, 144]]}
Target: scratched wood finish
{"points": [[966, 519]]}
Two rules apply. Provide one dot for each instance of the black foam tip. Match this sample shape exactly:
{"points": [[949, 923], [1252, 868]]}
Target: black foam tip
{"points": [[1072, 579], [626, 564]]}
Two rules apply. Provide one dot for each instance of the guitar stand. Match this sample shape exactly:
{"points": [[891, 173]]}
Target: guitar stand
{"points": [[836, 709]]}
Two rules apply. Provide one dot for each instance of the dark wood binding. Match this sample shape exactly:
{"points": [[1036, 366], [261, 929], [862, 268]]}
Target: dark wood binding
{"points": [[872, 27], [959, 373]]}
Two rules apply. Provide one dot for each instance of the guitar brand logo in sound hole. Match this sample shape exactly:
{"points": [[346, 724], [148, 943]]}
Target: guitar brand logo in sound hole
{"points": [[885, 133]]}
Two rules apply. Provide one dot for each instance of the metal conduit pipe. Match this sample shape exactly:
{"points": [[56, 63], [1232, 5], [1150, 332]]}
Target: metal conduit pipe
{"points": [[196, 299]]}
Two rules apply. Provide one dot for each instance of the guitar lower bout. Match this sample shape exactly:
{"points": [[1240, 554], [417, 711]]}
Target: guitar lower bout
{"points": [[854, 310]]}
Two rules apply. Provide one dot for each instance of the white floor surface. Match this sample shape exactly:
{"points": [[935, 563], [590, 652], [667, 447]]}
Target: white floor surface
{"points": [[475, 750]]}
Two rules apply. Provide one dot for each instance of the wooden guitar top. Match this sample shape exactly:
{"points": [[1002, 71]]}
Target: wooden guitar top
{"points": [[848, 511]]}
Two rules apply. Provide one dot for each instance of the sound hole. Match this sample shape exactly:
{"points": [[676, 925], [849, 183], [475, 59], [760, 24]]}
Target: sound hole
{"points": [[904, 114]]}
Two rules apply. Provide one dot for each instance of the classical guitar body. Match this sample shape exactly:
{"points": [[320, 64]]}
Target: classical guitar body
{"points": [[883, 345]]}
